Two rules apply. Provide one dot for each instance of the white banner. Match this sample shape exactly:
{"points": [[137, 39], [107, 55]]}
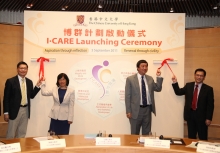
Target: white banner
{"points": [[98, 51]]}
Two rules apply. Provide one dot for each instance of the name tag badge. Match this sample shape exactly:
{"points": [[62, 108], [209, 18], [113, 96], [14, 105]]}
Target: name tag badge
{"points": [[14, 147], [157, 143], [208, 148], [107, 141], [55, 143]]}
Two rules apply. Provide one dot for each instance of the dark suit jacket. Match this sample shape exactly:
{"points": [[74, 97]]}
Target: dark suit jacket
{"points": [[12, 96], [205, 104]]}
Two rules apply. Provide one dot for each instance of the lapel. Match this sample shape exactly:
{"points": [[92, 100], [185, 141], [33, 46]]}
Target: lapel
{"points": [[136, 83], [201, 92], [17, 83], [191, 89], [57, 95], [148, 83], [27, 87], [65, 94]]}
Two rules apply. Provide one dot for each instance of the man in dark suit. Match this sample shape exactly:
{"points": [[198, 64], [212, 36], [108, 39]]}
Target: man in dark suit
{"points": [[199, 104], [16, 102], [139, 105]]}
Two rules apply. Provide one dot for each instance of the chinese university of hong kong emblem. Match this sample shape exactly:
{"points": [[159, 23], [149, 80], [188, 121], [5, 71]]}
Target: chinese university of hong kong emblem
{"points": [[80, 19]]}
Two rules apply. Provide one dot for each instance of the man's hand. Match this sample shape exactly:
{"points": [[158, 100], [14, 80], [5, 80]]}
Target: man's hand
{"points": [[43, 78], [208, 122], [128, 115], [6, 117], [39, 82], [158, 72], [174, 79]]}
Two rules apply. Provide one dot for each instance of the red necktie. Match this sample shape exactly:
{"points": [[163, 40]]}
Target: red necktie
{"points": [[195, 94]]}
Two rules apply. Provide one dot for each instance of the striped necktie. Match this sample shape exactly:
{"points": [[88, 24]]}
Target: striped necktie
{"points": [[23, 92]]}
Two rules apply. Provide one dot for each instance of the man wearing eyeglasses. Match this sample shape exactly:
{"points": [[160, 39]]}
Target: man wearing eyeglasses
{"points": [[199, 104], [16, 103]]}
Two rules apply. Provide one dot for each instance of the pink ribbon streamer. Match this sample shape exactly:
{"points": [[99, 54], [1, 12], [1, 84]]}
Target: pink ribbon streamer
{"points": [[165, 62]]}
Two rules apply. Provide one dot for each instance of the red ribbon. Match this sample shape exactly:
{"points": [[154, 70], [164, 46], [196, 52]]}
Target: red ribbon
{"points": [[165, 62], [41, 60]]}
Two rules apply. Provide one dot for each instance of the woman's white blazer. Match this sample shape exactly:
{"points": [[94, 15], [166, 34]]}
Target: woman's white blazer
{"points": [[64, 110]]}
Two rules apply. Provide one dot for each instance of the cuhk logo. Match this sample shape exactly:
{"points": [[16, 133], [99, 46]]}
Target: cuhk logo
{"points": [[80, 20]]}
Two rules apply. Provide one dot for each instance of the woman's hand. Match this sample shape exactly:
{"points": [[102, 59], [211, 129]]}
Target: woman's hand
{"points": [[70, 122]]}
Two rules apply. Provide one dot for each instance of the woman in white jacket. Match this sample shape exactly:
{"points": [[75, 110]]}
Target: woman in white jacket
{"points": [[61, 113]]}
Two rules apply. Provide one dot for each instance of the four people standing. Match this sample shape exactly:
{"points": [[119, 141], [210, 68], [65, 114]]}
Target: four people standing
{"points": [[139, 102]]}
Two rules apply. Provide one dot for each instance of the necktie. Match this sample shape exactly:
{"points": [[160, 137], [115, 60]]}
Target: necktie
{"points": [[23, 92], [195, 94], [143, 89]]}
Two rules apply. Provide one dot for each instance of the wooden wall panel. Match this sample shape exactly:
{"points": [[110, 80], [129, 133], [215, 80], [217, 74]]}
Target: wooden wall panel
{"points": [[202, 50], [3, 129], [11, 47], [202, 38]]}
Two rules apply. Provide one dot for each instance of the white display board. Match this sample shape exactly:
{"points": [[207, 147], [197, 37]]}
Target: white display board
{"points": [[98, 51]]}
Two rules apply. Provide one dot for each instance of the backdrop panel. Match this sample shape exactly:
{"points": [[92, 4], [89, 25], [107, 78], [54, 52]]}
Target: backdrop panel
{"points": [[98, 51]]}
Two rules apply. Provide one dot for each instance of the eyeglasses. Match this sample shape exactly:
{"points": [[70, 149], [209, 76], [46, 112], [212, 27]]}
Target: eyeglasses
{"points": [[199, 75], [23, 68]]}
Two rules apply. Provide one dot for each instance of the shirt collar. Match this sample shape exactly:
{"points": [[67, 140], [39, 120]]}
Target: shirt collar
{"points": [[139, 76], [199, 85], [20, 78]]}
